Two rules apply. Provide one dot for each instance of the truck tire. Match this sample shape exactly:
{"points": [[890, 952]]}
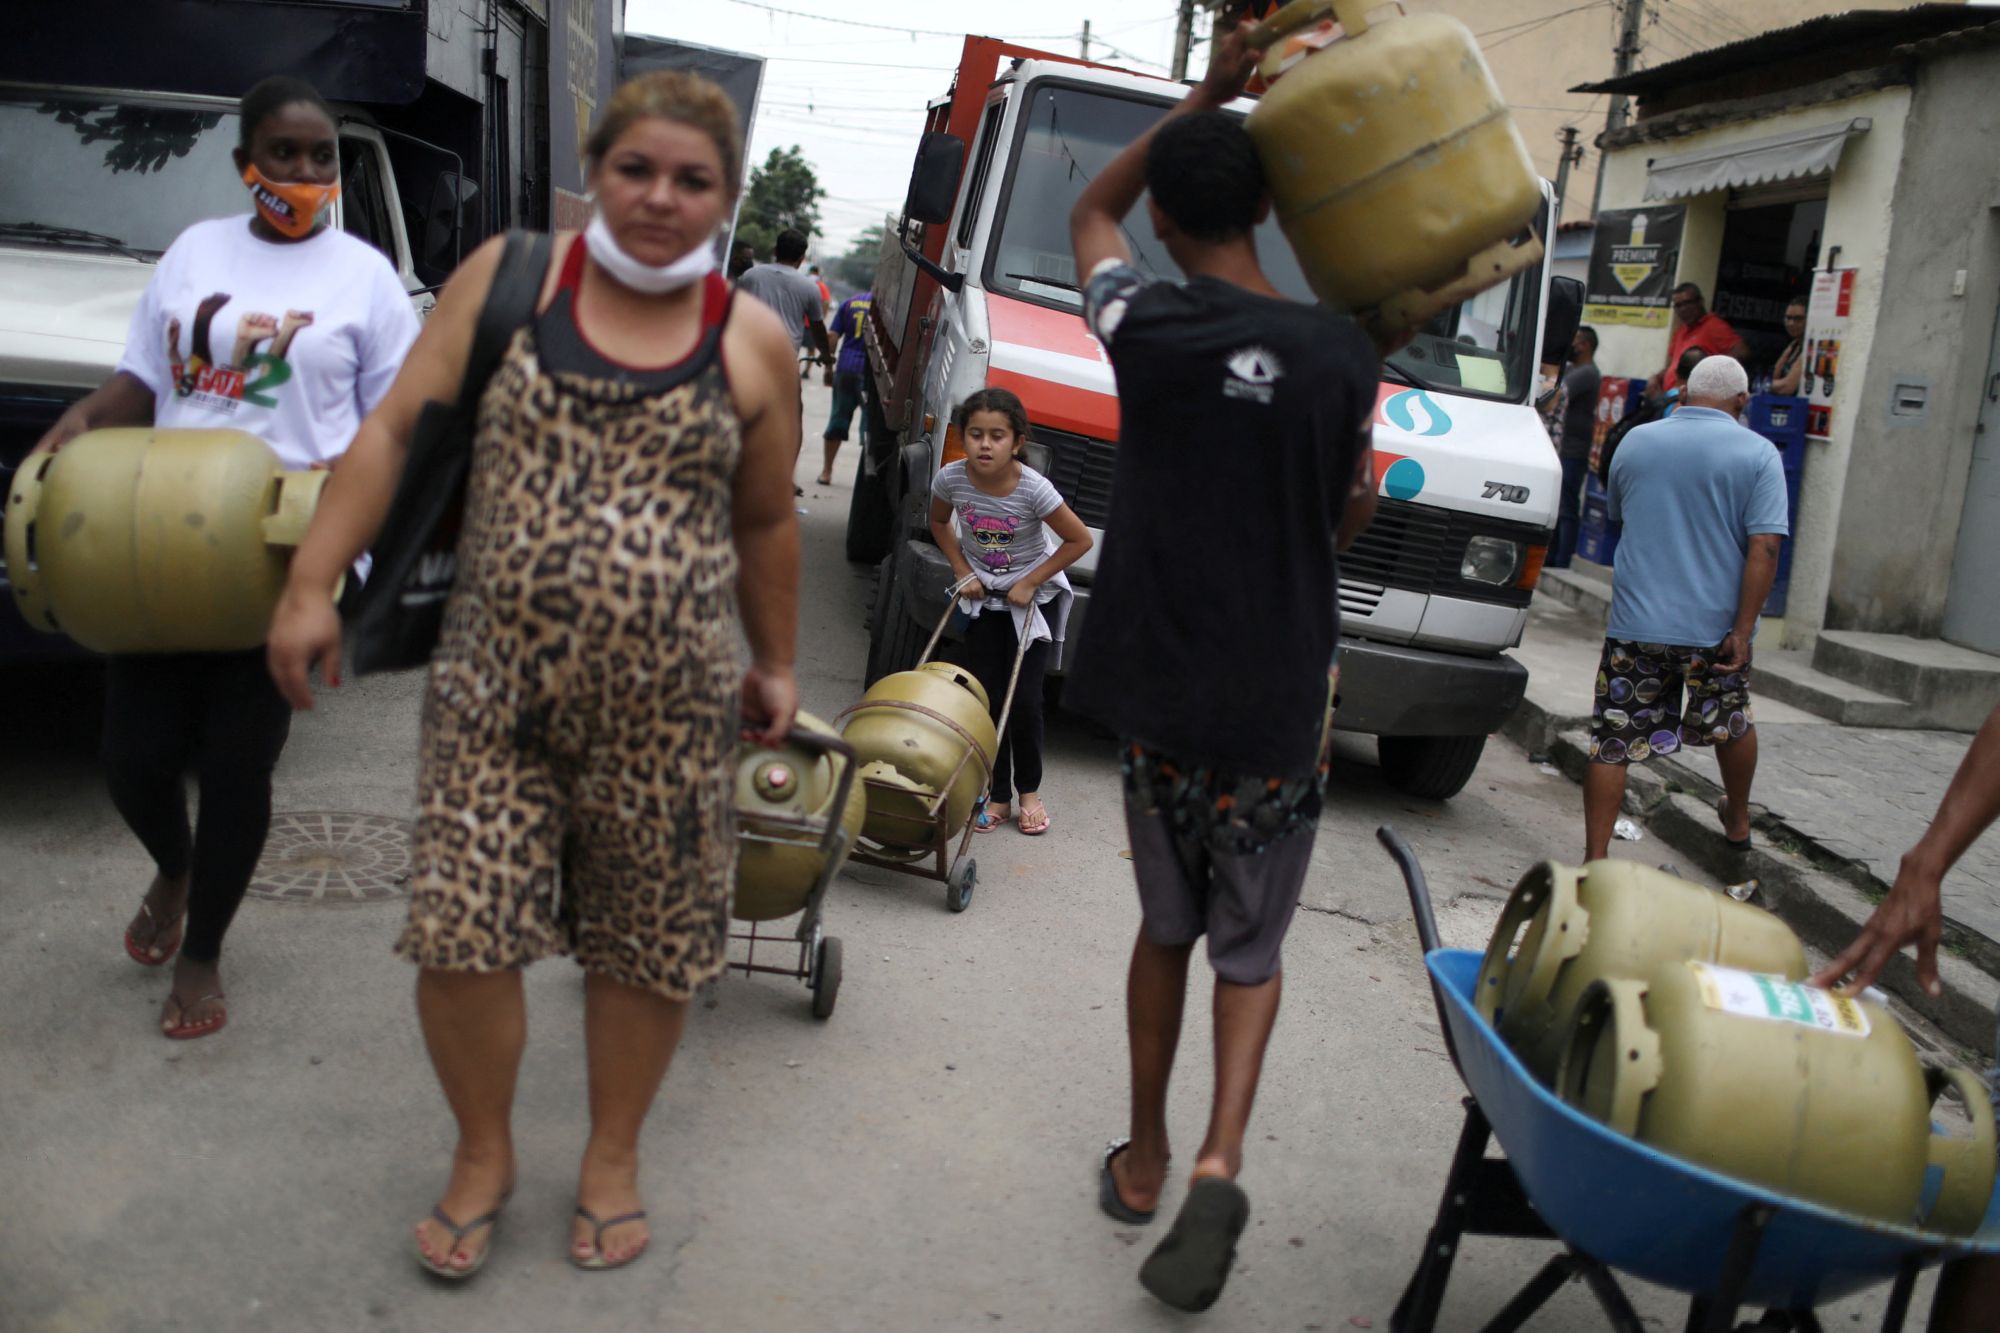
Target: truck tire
{"points": [[871, 523], [1435, 768], [894, 640]]}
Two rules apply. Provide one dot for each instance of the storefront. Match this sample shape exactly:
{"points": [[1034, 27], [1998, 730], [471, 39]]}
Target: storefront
{"points": [[1842, 155]]}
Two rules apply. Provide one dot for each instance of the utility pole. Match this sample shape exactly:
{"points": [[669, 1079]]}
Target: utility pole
{"points": [[1086, 39], [1572, 153], [1183, 39], [1624, 56]]}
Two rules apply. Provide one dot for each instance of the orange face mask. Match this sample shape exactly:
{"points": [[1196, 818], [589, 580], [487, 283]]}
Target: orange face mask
{"points": [[289, 207]]}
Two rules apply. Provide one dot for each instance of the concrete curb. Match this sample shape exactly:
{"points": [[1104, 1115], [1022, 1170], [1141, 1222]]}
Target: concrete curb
{"points": [[1821, 896]]}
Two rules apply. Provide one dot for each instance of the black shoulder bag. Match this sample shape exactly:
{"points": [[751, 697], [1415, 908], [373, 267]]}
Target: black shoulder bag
{"points": [[396, 621]]}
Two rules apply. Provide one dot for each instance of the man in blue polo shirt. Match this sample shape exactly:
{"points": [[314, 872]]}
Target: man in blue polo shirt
{"points": [[1703, 503]]}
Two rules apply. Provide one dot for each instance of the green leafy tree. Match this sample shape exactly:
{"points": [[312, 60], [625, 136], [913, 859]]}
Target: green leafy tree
{"points": [[784, 192], [856, 268]]}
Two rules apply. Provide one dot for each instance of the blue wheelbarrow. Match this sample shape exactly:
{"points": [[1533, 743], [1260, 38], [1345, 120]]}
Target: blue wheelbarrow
{"points": [[1614, 1203]]}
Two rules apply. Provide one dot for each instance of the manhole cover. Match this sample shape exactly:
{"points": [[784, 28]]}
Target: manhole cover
{"points": [[332, 857]]}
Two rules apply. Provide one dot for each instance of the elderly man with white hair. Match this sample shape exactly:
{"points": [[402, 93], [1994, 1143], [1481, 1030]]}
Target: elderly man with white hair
{"points": [[1703, 503]]}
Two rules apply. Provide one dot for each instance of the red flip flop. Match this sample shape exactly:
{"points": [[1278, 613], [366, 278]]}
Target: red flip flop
{"points": [[138, 952], [187, 1031]]}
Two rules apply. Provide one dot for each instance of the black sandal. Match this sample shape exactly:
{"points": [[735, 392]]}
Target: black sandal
{"points": [[1722, 813], [1108, 1197], [1190, 1264]]}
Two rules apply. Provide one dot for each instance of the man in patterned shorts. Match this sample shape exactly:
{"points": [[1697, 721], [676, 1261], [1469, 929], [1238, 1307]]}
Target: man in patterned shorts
{"points": [[1703, 503]]}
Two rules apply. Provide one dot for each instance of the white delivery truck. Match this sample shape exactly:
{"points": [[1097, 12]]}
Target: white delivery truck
{"points": [[978, 287]]}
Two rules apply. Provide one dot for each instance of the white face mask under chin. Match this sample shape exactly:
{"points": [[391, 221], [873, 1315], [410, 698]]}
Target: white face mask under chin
{"points": [[649, 279]]}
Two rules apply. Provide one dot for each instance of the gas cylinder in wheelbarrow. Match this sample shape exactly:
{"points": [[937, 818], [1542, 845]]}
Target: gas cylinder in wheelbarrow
{"points": [[1398, 175], [135, 540], [1811, 1094], [1564, 928], [1663, 1218], [798, 812], [925, 741]]}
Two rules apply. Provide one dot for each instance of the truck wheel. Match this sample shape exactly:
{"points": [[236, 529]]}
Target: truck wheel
{"points": [[1433, 767], [871, 523], [894, 640]]}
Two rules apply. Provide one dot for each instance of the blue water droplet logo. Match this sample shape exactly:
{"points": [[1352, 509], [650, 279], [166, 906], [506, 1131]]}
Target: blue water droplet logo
{"points": [[1403, 480], [1414, 410]]}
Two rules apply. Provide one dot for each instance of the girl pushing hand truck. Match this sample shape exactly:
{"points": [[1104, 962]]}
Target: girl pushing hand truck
{"points": [[1009, 536]]}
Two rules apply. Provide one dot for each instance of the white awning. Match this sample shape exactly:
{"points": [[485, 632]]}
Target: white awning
{"points": [[1808, 152]]}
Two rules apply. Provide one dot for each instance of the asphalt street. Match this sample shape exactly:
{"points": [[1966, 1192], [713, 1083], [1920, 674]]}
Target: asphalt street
{"points": [[924, 1160]]}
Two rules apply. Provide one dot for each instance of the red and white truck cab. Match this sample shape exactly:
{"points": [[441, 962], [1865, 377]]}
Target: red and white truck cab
{"points": [[977, 287]]}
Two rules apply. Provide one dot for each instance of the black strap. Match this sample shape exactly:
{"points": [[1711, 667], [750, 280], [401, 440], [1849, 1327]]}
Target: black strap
{"points": [[510, 303]]}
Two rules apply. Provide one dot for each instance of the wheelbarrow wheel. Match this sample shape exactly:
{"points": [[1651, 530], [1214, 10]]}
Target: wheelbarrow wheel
{"points": [[826, 977], [959, 884]]}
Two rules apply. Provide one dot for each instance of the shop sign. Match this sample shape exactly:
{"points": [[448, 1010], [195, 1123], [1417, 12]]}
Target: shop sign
{"points": [[1633, 255], [1826, 332]]}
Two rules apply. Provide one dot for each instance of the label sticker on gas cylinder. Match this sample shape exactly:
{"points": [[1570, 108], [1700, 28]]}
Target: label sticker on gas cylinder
{"points": [[1758, 995]]}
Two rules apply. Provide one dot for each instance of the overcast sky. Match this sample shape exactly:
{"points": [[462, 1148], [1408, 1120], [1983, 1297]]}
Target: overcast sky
{"points": [[852, 97]]}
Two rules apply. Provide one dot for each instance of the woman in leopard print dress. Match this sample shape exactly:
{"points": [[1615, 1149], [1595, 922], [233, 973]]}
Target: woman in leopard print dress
{"points": [[631, 477]]}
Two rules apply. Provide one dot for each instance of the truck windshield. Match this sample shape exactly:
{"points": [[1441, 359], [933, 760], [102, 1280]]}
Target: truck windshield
{"points": [[98, 173], [1068, 134]]}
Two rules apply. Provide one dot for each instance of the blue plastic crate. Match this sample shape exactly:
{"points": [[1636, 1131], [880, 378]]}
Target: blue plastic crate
{"points": [[1775, 416]]}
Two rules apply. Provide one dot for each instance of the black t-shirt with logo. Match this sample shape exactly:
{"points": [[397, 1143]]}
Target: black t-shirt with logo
{"points": [[1214, 613]]}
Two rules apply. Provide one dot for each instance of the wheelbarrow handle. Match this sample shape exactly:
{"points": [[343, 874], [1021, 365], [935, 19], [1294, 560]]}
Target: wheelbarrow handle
{"points": [[1413, 880], [1427, 929]]}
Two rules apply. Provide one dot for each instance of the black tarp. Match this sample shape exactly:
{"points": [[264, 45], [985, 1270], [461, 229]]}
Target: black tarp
{"points": [[354, 52]]}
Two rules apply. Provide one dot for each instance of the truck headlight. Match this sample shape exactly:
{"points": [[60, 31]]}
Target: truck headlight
{"points": [[1494, 560]]}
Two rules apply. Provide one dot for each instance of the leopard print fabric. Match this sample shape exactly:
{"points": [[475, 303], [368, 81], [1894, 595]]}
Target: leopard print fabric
{"points": [[580, 724]]}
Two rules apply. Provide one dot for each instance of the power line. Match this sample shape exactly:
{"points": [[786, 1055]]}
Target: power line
{"points": [[1546, 18], [865, 64], [885, 27]]}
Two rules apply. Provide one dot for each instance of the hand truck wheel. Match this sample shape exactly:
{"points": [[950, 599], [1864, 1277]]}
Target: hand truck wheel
{"points": [[959, 884], [826, 977]]}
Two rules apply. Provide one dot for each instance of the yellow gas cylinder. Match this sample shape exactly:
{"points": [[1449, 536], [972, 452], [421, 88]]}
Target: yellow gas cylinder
{"points": [[1393, 162], [1797, 1089], [1563, 929], [925, 742], [784, 802], [135, 540]]}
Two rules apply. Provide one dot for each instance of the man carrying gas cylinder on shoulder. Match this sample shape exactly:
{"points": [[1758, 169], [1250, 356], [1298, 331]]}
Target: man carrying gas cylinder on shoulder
{"points": [[1243, 465]]}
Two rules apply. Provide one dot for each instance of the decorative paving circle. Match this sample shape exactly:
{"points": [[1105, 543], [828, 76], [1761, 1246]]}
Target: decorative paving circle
{"points": [[332, 857]]}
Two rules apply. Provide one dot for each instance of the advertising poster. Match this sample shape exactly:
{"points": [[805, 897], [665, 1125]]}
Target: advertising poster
{"points": [[1826, 330], [583, 69], [1633, 256]]}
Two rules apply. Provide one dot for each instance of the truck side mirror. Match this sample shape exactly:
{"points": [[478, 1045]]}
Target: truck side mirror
{"points": [[934, 180], [443, 224], [1564, 317]]}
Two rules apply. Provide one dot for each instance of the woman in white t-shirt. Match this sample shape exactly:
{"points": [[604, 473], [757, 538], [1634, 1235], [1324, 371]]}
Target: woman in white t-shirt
{"points": [[283, 326]]}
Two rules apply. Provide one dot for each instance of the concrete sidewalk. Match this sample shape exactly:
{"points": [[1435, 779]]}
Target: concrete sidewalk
{"points": [[1835, 807]]}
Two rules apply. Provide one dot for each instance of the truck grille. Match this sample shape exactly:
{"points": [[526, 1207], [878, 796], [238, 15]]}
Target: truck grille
{"points": [[1419, 548], [1080, 469]]}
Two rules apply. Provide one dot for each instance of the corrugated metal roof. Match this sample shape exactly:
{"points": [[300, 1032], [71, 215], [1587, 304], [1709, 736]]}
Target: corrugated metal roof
{"points": [[1830, 31]]}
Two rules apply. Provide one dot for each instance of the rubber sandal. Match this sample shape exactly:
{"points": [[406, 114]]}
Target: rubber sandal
{"points": [[1189, 1266], [1722, 813], [188, 1031], [1021, 822], [985, 821], [139, 954], [597, 1263], [458, 1234], [1109, 1199]]}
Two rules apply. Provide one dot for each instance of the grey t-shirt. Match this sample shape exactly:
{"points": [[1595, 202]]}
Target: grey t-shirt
{"points": [[1003, 536], [789, 291]]}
